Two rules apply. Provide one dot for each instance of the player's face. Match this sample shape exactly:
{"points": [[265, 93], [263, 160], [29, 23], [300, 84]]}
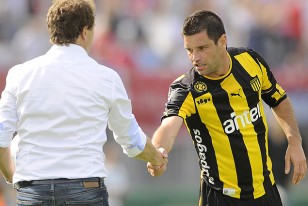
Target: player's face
{"points": [[206, 57]]}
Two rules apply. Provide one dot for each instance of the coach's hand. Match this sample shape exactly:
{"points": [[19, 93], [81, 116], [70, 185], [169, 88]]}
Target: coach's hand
{"points": [[158, 170]]}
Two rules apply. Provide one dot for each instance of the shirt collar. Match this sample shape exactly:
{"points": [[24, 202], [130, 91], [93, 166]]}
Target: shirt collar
{"points": [[72, 49]]}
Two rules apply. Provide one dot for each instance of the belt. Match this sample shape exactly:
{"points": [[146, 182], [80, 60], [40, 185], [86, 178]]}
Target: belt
{"points": [[92, 182]]}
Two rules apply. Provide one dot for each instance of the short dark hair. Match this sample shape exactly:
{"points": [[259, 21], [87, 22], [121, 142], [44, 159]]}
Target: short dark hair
{"points": [[203, 20], [67, 18]]}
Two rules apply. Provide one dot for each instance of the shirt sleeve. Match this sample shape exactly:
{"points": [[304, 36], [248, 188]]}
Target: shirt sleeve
{"points": [[8, 114], [180, 101], [272, 92], [122, 122]]}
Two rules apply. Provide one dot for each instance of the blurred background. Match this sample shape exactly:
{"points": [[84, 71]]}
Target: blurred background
{"points": [[141, 40]]}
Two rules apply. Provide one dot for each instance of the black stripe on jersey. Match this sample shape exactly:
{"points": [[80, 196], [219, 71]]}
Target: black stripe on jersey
{"points": [[241, 158], [241, 76], [194, 121]]}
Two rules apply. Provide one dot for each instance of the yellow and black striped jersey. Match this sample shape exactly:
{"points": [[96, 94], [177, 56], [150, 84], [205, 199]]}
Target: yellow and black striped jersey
{"points": [[225, 118]]}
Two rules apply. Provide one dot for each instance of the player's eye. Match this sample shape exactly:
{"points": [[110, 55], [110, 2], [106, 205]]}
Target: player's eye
{"points": [[202, 48]]}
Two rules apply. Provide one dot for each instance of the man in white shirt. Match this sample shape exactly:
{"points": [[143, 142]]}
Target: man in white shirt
{"points": [[60, 105]]}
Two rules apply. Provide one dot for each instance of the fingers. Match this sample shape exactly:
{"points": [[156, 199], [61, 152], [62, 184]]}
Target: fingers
{"points": [[157, 171], [296, 157], [300, 170], [287, 165], [163, 152], [153, 167]]}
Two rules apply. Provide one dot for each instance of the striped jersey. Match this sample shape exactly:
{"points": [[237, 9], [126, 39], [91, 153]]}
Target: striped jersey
{"points": [[226, 120]]}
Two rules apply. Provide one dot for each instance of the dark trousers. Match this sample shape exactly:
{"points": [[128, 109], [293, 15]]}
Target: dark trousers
{"points": [[62, 192], [212, 197]]}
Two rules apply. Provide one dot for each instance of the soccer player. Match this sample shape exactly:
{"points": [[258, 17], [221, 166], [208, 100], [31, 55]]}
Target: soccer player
{"points": [[60, 104], [220, 101]]}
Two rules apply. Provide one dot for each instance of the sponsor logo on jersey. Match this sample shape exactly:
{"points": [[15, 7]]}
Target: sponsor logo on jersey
{"points": [[202, 149], [200, 86], [203, 101], [247, 117]]}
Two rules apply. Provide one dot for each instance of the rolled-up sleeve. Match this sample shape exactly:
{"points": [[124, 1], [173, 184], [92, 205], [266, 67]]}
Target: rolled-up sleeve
{"points": [[8, 114], [122, 122]]}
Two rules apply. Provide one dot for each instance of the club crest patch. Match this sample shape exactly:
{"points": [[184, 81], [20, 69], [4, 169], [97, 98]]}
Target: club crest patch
{"points": [[255, 84], [200, 86]]}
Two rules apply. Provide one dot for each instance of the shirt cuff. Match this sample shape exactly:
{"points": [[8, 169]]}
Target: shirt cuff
{"points": [[138, 147], [5, 139]]}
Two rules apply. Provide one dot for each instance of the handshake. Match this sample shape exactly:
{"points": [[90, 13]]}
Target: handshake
{"points": [[159, 165]]}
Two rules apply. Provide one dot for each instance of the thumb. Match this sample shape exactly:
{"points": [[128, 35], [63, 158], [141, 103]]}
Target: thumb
{"points": [[163, 152], [287, 165]]}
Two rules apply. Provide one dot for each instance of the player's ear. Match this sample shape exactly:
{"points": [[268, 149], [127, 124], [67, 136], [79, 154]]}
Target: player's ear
{"points": [[84, 33], [222, 41]]}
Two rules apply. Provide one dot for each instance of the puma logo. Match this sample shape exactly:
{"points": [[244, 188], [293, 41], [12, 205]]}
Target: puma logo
{"points": [[236, 94]]}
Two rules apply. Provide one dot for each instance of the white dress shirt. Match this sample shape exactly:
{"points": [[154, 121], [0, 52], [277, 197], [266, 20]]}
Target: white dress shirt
{"points": [[60, 104]]}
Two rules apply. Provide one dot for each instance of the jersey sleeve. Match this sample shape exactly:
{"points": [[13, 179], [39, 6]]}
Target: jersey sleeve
{"points": [[272, 93], [180, 102]]}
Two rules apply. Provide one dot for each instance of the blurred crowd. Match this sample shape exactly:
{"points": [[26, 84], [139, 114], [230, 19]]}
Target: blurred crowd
{"points": [[144, 36]]}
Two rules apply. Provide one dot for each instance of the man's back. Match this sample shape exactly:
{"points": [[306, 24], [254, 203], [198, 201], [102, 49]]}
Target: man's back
{"points": [[63, 101], [58, 105]]}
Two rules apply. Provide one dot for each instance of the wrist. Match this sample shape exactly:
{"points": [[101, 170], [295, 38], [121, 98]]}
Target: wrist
{"points": [[294, 140]]}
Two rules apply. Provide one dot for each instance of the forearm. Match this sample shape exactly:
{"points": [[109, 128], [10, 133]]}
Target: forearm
{"points": [[161, 139], [166, 133], [164, 138], [6, 164], [150, 154], [286, 118], [294, 154]]}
